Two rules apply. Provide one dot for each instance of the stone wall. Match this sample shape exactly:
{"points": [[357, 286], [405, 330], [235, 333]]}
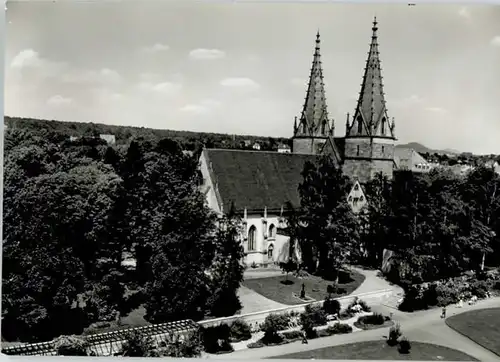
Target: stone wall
{"points": [[366, 157], [308, 146]]}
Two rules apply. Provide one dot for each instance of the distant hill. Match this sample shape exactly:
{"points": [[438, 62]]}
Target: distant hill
{"points": [[423, 149], [123, 134]]}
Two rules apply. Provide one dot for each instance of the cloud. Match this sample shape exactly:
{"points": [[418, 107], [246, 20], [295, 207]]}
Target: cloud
{"points": [[464, 12], [105, 75], [26, 58], [203, 107], [156, 48], [495, 41], [207, 54], [240, 83], [164, 88], [59, 100], [436, 109], [29, 59]]}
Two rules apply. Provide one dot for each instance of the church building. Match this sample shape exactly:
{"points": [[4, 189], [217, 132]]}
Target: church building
{"points": [[259, 185]]}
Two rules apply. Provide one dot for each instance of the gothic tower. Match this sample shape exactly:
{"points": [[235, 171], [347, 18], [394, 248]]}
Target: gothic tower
{"points": [[313, 127], [370, 137]]}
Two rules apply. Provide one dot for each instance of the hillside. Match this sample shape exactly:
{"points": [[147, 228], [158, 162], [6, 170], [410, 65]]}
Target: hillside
{"points": [[423, 149], [188, 140]]}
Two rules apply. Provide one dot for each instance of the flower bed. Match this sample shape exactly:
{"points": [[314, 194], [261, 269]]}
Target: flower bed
{"points": [[373, 321]]}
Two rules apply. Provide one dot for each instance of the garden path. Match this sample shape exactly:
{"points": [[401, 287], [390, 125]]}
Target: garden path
{"points": [[423, 326]]}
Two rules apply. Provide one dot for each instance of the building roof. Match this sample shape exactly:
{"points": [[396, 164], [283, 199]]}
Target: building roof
{"points": [[371, 111], [254, 180], [314, 113]]}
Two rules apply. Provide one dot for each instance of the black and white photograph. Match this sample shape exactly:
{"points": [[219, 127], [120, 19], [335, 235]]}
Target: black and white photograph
{"points": [[251, 180]]}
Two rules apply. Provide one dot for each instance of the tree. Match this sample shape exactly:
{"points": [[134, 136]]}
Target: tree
{"points": [[331, 230]]}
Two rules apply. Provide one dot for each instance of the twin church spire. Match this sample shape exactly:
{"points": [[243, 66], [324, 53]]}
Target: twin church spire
{"points": [[370, 117], [314, 120]]}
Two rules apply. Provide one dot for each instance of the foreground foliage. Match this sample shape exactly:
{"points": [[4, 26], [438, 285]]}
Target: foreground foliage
{"points": [[74, 210]]}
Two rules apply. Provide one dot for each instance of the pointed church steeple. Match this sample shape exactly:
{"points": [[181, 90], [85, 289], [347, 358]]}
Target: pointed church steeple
{"points": [[314, 121], [370, 117]]}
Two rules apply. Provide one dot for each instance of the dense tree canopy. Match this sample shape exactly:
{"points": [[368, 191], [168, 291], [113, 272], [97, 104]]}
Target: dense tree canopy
{"points": [[439, 225], [72, 210]]}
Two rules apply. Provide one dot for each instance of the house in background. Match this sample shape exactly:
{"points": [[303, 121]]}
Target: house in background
{"points": [[109, 138], [284, 149], [409, 159]]}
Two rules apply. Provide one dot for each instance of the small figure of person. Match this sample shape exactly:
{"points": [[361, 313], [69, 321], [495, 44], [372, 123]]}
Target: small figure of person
{"points": [[443, 312], [304, 338]]}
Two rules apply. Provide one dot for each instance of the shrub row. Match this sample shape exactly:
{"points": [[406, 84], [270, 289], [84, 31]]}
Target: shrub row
{"points": [[424, 296]]}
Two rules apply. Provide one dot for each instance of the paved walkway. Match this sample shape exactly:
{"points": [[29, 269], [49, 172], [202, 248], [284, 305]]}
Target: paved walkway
{"points": [[423, 326], [255, 302]]}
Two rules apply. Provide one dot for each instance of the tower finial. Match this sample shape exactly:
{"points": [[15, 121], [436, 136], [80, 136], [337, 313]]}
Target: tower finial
{"points": [[375, 27]]}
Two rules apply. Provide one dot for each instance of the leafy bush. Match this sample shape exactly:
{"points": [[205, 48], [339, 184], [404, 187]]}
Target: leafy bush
{"points": [[344, 277], [413, 300], [496, 286], [71, 346], [258, 344], [364, 306], [190, 346], [339, 328], [240, 331], [341, 291], [479, 288], [292, 335], [447, 294], [217, 339], [137, 345], [331, 306], [404, 346], [278, 321], [313, 316], [374, 319], [394, 334]]}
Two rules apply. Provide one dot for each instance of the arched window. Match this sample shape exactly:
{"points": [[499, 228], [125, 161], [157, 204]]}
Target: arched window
{"points": [[304, 127], [360, 124], [357, 150], [383, 149], [323, 128], [384, 121], [270, 251], [252, 238], [272, 231]]}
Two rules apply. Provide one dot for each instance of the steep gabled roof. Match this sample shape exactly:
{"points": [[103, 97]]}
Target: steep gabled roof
{"points": [[314, 113], [370, 116], [256, 179]]}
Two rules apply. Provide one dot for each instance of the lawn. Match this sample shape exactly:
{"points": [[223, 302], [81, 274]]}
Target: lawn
{"points": [[482, 326], [379, 350], [315, 287]]}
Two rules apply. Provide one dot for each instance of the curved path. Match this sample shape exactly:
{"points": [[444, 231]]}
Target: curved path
{"points": [[255, 302], [423, 326]]}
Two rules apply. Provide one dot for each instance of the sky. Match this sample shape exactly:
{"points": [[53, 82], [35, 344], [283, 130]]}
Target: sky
{"points": [[242, 68]]}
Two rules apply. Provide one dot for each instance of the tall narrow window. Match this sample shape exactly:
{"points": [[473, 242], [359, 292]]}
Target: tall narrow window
{"points": [[270, 252], [323, 128], [383, 126], [252, 236], [272, 231], [304, 128], [357, 150], [383, 149], [360, 124]]}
